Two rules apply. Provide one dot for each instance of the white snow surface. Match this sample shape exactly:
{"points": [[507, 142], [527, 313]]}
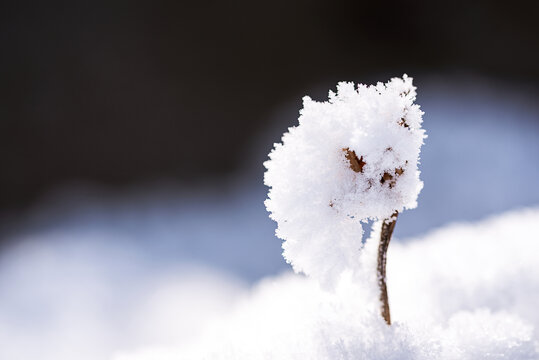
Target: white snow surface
{"points": [[317, 199], [466, 291]]}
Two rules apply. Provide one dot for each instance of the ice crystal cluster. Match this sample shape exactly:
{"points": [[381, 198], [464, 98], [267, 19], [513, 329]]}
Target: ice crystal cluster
{"points": [[350, 159]]}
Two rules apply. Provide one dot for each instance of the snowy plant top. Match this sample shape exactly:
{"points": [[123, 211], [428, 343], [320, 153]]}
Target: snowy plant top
{"points": [[350, 159]]}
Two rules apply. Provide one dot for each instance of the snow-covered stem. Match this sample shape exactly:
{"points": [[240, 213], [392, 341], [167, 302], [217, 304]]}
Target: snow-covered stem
{"points": [[388, 226]]}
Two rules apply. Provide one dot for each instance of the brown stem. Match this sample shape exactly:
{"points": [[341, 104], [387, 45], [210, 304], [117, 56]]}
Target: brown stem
{"points": [[388, 226]]}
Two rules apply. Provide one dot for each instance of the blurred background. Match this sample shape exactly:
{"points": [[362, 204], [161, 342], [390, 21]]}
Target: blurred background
{"points": [[132, 136], [116, 93]]}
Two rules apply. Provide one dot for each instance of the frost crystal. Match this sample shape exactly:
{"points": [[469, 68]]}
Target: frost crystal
{"points": [[350, 159]]}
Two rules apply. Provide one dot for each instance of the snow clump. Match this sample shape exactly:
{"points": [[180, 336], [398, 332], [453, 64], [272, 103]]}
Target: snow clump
{"points": [[352, 158]]}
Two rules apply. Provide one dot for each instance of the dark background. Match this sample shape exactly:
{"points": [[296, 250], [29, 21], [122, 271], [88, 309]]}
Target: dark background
{"points": [[117, 93]]}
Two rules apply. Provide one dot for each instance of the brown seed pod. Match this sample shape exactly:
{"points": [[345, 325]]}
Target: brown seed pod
{"points": [[356, 163]]}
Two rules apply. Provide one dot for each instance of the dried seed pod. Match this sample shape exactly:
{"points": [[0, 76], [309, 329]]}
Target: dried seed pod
{"points": [[351, 158]]}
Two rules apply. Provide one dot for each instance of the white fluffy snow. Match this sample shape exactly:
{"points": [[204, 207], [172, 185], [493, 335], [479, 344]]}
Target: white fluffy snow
{"points": [[84, 300], [319, 199], [467, 291]]}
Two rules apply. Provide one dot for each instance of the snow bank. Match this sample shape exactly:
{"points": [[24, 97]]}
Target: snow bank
{"points": [[83, 300], [467, 291], [350, 159]]}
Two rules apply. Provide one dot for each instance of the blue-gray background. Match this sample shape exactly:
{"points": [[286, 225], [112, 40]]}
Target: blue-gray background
{"points": [[480, 158], [145, 124]]}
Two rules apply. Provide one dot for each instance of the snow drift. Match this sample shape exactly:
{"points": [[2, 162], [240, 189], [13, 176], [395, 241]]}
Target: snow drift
{"points": [[467, 291]]}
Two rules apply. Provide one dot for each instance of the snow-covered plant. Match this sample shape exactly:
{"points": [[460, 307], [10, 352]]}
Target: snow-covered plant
{"points": [[351, 159]]}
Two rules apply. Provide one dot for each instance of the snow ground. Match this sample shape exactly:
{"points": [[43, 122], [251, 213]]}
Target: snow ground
{"points": [[466, 291], [89, 275]]}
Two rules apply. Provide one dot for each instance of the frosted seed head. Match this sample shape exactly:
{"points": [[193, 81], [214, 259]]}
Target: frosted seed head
{"points": [[350, 159]]}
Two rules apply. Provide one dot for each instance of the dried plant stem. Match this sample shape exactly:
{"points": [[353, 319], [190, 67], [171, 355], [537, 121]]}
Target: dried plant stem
{"points": [[388, 226]]}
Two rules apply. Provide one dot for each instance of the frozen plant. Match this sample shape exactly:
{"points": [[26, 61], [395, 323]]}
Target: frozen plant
{"points": [[351, 159]]}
